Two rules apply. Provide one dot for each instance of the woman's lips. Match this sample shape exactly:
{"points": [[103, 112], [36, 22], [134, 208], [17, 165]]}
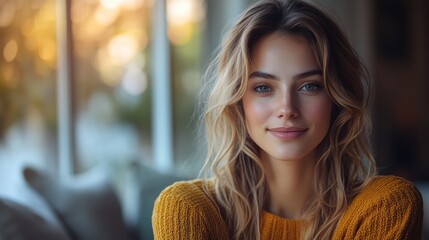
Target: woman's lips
{"points": [[288, 133]]}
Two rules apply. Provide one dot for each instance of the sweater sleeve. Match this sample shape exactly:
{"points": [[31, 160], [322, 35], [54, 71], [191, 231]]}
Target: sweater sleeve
{"points": [[388, 208], [184, 211]]}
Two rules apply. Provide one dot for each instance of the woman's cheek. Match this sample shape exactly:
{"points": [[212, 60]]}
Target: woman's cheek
{"points": [[259, 108], [321, 111]]}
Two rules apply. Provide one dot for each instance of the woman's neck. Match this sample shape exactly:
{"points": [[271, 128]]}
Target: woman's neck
{"points": [[290, 186]]}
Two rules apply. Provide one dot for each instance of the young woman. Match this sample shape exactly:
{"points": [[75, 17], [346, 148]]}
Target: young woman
{"points": [[288, 141]]}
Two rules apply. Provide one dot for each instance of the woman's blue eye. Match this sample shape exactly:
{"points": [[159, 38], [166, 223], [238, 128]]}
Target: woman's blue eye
{"points": [[310, 87], [263, 89]]}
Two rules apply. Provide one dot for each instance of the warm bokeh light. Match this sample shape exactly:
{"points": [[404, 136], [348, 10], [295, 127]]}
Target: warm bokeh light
{"points": [[89, 31], [111, 3], [111, 34], [121, 51], [180, 11], [184, 11], [10, 50], [105, 16], [45, 14], [180, 34], [182, 15], [128, 4], [134, 4], [122, 48], [47, 51], [109, 72]]}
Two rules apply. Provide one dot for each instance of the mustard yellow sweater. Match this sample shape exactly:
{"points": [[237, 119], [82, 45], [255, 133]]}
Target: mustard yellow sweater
{"points": [[388, 208]]}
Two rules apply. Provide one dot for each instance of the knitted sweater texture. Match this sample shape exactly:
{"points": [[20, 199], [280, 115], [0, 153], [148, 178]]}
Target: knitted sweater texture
{"points": [[387, 208]]}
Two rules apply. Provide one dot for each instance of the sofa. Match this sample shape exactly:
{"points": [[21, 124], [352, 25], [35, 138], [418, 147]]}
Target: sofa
{"points": [[84, 207]]}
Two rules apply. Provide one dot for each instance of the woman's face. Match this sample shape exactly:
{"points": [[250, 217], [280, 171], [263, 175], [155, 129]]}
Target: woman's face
{"points": [[286, 107]]}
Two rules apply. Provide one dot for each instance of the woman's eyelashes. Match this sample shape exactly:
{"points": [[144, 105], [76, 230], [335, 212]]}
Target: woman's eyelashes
{"points": [[310, 87], [263, 88]]}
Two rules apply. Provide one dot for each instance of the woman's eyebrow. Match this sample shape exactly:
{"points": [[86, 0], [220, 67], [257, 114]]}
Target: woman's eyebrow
{"points": [[259, 74], [308, 74], [263, 75]]}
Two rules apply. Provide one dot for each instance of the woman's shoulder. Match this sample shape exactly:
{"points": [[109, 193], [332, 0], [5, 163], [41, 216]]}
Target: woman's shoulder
{"points": [[195, 192], [390, 189], [387, 192], [186, 210], [388, 207]]}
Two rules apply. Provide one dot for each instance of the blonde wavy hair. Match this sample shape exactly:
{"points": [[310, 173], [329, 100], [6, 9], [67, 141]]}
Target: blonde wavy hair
{"points": [[345, 162]]}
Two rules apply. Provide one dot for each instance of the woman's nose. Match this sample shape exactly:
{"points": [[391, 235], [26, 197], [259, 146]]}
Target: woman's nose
{"points": [[287, 108]]}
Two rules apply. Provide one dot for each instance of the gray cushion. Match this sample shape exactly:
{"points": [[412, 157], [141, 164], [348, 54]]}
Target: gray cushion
{"points": [[86, 205], [19, 222]]}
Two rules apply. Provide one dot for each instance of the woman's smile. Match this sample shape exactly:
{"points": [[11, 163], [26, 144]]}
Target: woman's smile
{"points": [[287, 133]]}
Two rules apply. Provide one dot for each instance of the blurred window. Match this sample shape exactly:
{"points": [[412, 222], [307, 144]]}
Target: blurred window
{"points": [[113, 62], [111, 81], [112, 95]]}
